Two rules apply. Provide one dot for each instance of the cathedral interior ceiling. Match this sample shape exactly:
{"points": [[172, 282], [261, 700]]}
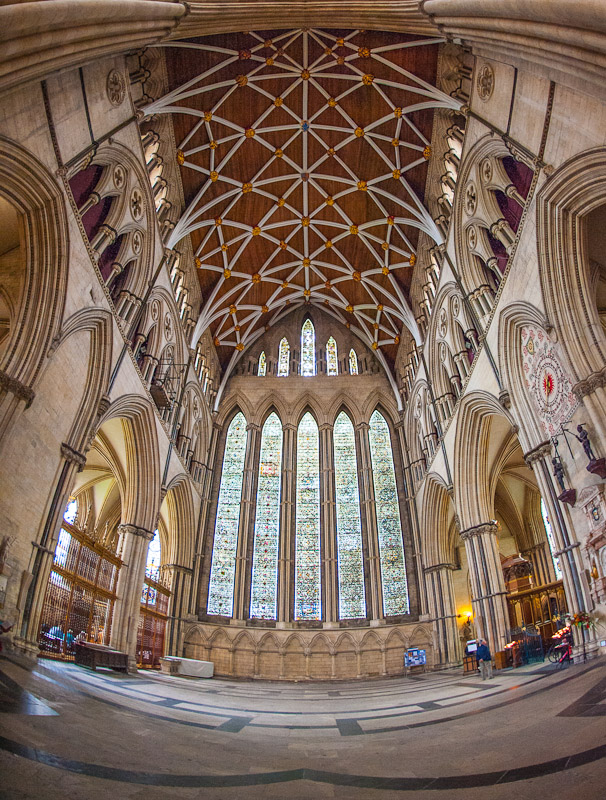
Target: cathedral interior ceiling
{"points": [[304, 161]]}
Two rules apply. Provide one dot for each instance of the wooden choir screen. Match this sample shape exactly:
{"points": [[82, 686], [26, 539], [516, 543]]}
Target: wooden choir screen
{"points": [[543, 607], [152, 623], [80, 596]]}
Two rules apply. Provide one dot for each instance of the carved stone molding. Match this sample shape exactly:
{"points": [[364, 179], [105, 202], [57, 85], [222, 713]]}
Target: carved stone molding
{"points": [[135, 530], [15, 387], [73, 456], [115, 87], [542, 450], [485, 82], [479, 530], [596, 380], [439, 567]]}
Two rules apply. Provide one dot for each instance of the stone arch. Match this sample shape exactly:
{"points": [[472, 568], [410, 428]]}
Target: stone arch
{"points": [[109, 156], [437, 512], [295, 665], [142, 500], [371, 655], [483, 235], [395, 646], [30, 189], [471, 479], [269, 658], [244, 655], [181, 521], [511, 321], [98, 322], [565, 200]]}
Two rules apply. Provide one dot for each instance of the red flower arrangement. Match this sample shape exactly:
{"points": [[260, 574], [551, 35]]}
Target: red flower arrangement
{"points": [[582, 620]]}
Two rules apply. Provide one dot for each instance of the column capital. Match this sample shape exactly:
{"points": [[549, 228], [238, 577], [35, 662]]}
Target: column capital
{"points": [[597, 380], [479, 530], [253, 426], [20, 390], [135, 530], [542, 450], [362, 426], [73, 456], [439, 567], [289, 426], [325, 426], [178, 568]]}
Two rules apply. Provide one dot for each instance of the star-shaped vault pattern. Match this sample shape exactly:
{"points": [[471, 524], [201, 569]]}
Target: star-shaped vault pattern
{"points": [[303, 157]]}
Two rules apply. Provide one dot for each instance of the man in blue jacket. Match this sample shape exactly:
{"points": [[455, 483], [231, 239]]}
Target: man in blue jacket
{"points": [[484, 660]]}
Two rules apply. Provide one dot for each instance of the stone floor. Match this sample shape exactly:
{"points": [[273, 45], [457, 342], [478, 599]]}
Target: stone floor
{"points": [[535, 732]]}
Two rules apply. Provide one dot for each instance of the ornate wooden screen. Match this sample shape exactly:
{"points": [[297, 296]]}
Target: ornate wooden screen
{"points": [[80, 595], [152, 623], [538, 607]]}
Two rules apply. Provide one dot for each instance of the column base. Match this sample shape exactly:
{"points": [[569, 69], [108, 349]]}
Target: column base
{"points": [[21, 651]]}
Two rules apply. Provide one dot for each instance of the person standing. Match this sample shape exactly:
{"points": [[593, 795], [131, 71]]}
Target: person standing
{"points": [[484, 660]]}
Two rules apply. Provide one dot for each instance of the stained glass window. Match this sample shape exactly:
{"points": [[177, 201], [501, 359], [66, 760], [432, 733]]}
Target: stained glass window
{"points": [[149, 594], [262, 365], [71, 511], [352, 603], [353, 362], [264, 589], [331, 357], [221, 587], [307, 541], [308, 348], [551, 541], [283, 358], [152, 564], [391, 550]]}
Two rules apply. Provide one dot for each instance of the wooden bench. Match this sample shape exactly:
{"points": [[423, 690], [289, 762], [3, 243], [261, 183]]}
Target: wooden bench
{"points": [[175, 665], [98, 655]]}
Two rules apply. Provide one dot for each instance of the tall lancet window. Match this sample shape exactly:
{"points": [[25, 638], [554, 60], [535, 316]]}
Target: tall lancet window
{"points": [[353, 362], [391, 550], [308, 348], [332, 367], [307, 537], [264, 591], [349, 530], [262, 365], [223, 566], [283, 358]]}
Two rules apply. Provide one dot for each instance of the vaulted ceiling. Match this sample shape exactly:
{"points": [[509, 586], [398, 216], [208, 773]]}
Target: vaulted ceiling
{"points": [[303, 159]]}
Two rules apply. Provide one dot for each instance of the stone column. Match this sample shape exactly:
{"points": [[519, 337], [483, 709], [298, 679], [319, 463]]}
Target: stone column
{"points": [[134, 542], [368, 518], [488, 594], [246, 528], [328, 527], [179, 579], [198, 597], [540, 559], [286, 560], [32, 589], [568, 548], [415, 558], [442, 608]]}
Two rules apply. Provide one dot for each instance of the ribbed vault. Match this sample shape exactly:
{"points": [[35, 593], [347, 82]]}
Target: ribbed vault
{"points": [[304, 160]]}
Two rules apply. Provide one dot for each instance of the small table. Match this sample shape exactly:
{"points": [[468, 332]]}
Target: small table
{"points": [[98, 655]]}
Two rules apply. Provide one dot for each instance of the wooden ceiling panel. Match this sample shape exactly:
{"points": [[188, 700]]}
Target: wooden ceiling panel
{"points": [[293, 139]]}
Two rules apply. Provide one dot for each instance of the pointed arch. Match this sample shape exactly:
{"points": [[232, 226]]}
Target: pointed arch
{"points": [[225, 542], [262, 365], [332, 361], [283, 358], [266, 536], [350, 567], [308, 601], [389, 525], [308, 348], [353, 362]]}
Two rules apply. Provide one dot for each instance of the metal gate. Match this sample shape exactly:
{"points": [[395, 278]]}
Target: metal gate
{"points": [[80, 595], [152, 623]]}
